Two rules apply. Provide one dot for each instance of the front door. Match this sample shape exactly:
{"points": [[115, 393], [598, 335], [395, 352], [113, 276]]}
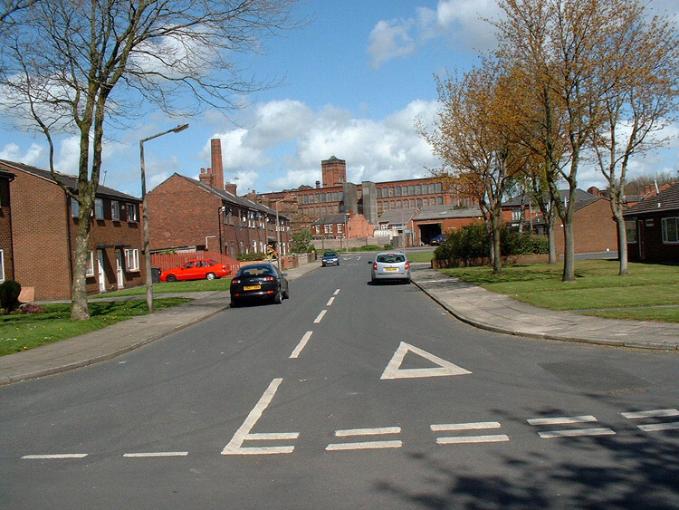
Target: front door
{"points": [[100, 271], [120, 272]]}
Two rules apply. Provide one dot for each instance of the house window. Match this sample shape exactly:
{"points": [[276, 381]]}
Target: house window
{"points": [[516, 215], [318, 229], [132, 214], [340, 228], [2, 265], [89, 271], [670, 230], [327, 229], [99, 208], [75, 208], [631, 231], [132, 259], [115, 210]]}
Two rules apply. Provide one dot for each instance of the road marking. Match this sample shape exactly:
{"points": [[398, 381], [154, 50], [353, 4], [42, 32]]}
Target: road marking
{"points": [[561, 420], [365, 445], [551, 434], [448, 427], [56, 456], [320, 317], [656, 427], [268, 436], [155, 454], [336, 292], [330, 301], [472, 439], [393, 370], [367, 432], [655, 413], [235, 446], [302, 343]]}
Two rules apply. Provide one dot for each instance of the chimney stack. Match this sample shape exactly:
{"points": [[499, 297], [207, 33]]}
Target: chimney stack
{"points": [[205, 176], [217, 166], [231, 188]]}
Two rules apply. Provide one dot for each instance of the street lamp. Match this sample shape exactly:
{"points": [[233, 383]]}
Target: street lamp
{"points": [[220, 217], [147, 255]]}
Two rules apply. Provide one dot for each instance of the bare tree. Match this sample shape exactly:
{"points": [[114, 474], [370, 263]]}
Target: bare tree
{"points": [[78, 65]]}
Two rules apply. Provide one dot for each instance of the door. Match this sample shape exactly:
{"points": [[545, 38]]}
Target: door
{"points": [[100, 271], [120, 272]]}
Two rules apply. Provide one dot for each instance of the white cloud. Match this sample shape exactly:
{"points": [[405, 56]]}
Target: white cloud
{"points": [[390, 39], [12, 152]]}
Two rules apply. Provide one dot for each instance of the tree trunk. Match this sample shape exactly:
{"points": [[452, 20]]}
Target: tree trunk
{"points": [[497, 261], [79, 307], [622, 239], [551, 236], [569, 243]]}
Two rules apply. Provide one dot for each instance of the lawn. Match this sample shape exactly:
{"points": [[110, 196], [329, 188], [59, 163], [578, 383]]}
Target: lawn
{"points": [[420, 256], [20, 331], [171, 287], [649, 292]]}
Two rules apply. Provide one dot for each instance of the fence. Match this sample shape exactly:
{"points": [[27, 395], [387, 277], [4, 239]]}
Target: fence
{"points": [[166, 261]]}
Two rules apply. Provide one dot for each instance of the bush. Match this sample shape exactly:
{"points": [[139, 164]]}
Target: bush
{"points": [[9, 295], [301, 242], [246, 257], [31, 308]]}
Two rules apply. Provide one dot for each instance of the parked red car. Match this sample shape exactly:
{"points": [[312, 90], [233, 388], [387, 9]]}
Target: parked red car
{"points": [[197, 269]]}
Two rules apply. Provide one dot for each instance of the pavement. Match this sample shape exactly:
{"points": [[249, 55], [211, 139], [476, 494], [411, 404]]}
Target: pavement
{"points": [[469, 303]]}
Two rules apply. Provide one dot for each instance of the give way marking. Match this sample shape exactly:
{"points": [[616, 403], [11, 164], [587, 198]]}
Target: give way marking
{"points": [[394, 370]]}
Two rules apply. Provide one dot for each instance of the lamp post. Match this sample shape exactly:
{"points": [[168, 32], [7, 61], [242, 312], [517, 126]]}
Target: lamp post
{"points": [[278, 239], [220, 217], [147, 255]]}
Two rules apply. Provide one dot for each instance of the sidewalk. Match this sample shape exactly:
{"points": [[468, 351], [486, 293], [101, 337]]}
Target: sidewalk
{"points": [[497, 312], [119, 338]]}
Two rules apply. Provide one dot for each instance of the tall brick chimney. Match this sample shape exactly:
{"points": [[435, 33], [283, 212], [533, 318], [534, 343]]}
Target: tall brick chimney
{"points": [[217, 166], [334, 171], [231, 188]]}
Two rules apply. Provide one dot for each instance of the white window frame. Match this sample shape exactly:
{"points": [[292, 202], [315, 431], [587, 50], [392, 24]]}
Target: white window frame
{"points": [[327, 229], [89, 268], [2, 265], [664, 222], [98, 207], [132, 259], [132, 213], [631, 226], [115, 210], [75, 208]]}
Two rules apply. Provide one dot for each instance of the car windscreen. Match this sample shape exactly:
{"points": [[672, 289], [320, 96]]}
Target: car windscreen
{"points": [[391, 258], [330, 254], [256, 271]]}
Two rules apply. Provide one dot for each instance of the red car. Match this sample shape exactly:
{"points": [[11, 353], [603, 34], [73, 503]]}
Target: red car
{"points": [[197, 269]]}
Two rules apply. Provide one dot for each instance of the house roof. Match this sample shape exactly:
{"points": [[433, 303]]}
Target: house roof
{"points": [[581, 196], [666, 200], [446, 212], [396, 216], [331, 219], [69, 181]]}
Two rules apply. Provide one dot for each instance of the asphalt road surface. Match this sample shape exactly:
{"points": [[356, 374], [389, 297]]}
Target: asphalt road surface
{"points": [[346, 396]]}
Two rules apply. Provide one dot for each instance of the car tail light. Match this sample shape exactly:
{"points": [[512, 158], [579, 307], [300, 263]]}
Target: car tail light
{"points": [[407, 265], [375, 266], [268, 278], [235, 281]]}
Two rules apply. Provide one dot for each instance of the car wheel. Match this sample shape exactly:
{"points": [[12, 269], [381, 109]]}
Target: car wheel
{"points": [[234, 303], [210, 276], [286, 294], [171, 278], [278, 298]]}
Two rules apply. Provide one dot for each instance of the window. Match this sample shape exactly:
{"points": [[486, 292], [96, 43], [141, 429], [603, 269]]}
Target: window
{"points": [[99, 208], [327, 229], [670, 230], [516, 215], [631, 230], [418, 190], [115, 210], [398, 191], [90, 265], [340, 228], [132, 259], [75, 208], [132, 214], [2, 265]]}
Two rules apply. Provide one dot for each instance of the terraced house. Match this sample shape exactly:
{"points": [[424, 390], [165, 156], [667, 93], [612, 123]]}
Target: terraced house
{"points": [[44, 220]]}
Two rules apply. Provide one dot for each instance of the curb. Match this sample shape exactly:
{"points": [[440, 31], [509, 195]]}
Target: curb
{"points": [[546, 336]]}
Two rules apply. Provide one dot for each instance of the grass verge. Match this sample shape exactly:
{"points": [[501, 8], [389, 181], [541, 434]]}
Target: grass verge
{"points": [[644, 294], [20, 332], [172, 287], [420, 256]]}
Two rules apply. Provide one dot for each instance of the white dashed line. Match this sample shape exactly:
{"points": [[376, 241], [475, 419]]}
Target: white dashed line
{"points": [[155, 454], [655, 413], [367, 432], [551, 434], [330, 301], [302, 343], [472, 439], [657, 427], [461, 427], [320, 317], [55, 456], [448, 427], [336, 292], [561, 420], [366, 445]]}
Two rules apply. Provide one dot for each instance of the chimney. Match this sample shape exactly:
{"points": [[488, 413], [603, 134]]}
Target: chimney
{"points": [[318, 184], [205, 176], [231, 188], [217, 167]]}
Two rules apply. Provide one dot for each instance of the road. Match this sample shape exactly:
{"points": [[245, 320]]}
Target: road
{"points": [[350, 396]]}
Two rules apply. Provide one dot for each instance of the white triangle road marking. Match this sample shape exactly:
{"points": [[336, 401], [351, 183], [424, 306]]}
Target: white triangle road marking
{"points": [[394, 370]]}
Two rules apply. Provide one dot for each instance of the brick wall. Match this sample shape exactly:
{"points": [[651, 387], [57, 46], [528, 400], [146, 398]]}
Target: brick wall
{"points": [[649, 246], [593, 228], [6, 231]]}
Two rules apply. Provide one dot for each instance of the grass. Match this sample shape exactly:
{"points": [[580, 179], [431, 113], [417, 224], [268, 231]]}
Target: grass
{"points": [[171, 287], [644, 294], [20, 332], [420, 256]]}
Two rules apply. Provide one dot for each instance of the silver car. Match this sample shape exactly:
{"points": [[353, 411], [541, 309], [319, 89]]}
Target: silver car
{"points": [[390, 265]]}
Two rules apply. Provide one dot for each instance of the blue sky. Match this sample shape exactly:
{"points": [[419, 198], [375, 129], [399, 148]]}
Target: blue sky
{"points": [[354, 78]]}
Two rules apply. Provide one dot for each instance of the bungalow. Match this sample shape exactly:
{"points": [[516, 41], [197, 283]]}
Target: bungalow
{"points": [[653, 227]]}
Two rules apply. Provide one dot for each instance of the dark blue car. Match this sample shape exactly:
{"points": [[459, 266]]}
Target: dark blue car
{"points": [[330, 258], [437, 240]]}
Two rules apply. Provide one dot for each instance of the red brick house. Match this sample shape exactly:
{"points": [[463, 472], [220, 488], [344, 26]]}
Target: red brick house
{"points": [[44, 224], [439, 220], [6, 247], [342, 226], [653, 227], [594, 227]]}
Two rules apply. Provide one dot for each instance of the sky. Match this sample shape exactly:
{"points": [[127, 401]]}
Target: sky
{"points": [[352, 80]]}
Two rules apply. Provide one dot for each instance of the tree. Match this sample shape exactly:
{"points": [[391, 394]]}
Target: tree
{"points": [[301, 241], [74, 66]]}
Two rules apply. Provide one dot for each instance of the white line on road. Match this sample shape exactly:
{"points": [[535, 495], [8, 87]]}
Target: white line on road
{"points": [[302, 343], [655, 413], [656, 427], [320, 317], [336, 292], [156, 454], [55, 456], [330, 301], [269, 436], [235, 446], [447, 427], [472, 439], [367, 432], [563, 420], [366, 445], [550, 434]]}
